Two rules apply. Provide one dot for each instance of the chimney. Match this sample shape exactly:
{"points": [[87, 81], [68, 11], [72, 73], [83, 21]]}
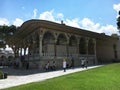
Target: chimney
{"points": [[62, 22]]}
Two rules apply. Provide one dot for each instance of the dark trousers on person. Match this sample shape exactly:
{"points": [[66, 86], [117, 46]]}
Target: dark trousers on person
{"points": [[64, 69]]}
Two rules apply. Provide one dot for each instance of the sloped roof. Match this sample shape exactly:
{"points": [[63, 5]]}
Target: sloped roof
{"points": [[30, 26]]}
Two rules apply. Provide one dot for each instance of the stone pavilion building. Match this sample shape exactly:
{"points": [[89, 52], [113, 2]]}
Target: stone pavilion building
{"points": [[40, 41]]}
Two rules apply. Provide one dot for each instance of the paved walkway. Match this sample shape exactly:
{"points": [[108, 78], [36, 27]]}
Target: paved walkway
{"points": [[15, 80]]}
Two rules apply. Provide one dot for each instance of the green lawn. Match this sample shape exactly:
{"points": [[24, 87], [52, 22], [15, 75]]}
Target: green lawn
{"points": [[102, 78]]}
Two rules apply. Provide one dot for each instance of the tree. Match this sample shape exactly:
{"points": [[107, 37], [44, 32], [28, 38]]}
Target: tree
{"points": [[114, 35], [118, 22], [5, 33]]}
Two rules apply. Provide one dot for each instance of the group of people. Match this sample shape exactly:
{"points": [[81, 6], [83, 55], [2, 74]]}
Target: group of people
{"points": [[65, 64], [49, 67]]}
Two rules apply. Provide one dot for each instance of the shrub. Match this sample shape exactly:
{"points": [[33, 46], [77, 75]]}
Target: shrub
{"points": [[1, 75]]}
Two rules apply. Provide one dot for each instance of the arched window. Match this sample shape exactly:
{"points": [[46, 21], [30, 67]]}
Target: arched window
{"points": [[91, 47], [48, 42], [61, 40], [73, 41], [115, 51], [82, 46], [48, 38]]}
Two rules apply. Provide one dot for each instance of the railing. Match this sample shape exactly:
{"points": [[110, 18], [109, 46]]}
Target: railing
{"points": [[60, 55]]}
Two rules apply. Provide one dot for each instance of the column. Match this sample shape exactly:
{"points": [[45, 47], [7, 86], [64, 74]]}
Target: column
{"points": [[55, 49], [67, 48], [24, 51], [87, 41], [78, 45], [20, 51], [95, 51], [40, 45], [87, 46]]}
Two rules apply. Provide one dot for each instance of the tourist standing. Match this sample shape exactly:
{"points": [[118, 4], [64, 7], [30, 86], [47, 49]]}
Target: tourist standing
{"points": [[82, 63], [27, 65], [86, 63], [72, 63], [47, 66], [54, 66], [64, 65]]}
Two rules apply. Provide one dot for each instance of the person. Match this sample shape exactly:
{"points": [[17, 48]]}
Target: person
{"points": [[17, 62], [72, 62], [27, 65], [47, 66], [54, 66], [86, 63], [82, 63], [64, 65]]}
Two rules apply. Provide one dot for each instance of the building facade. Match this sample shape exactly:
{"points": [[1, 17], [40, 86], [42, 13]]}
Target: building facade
{"points": [[40, 41], [6, 58]]}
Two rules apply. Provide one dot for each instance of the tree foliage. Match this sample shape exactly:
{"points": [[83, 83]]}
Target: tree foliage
{"points": [[114, 35], [5, 33], [118, 22]]}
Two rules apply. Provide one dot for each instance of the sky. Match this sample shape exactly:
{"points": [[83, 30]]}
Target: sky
{"points": [[93, 15]]}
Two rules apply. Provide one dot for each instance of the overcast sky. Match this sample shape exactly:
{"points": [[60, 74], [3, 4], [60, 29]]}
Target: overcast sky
{"points": [[94, 15]]}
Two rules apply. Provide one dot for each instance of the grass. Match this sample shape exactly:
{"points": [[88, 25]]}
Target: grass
{"points": [[102, 78]]}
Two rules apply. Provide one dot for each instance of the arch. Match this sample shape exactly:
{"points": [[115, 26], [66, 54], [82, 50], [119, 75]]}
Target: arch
{"points": [[73, 41], [91, 47], [3, 57], [3, 60], [10, 58], [48, 38], [48, 42], [62, 39], [82, 46], [115, 51]]}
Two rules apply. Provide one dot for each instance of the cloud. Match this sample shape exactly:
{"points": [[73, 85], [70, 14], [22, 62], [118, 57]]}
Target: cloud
{"points": [[73, 22], [18, 22], [4, 21], [48, 15], [60, 16], [34, 13], [116, 7], [96, 27], [108, 29], [85, 23]]}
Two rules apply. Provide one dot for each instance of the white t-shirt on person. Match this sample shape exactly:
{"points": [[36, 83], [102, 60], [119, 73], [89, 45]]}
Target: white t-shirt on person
{"points": [[64, 64]]}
